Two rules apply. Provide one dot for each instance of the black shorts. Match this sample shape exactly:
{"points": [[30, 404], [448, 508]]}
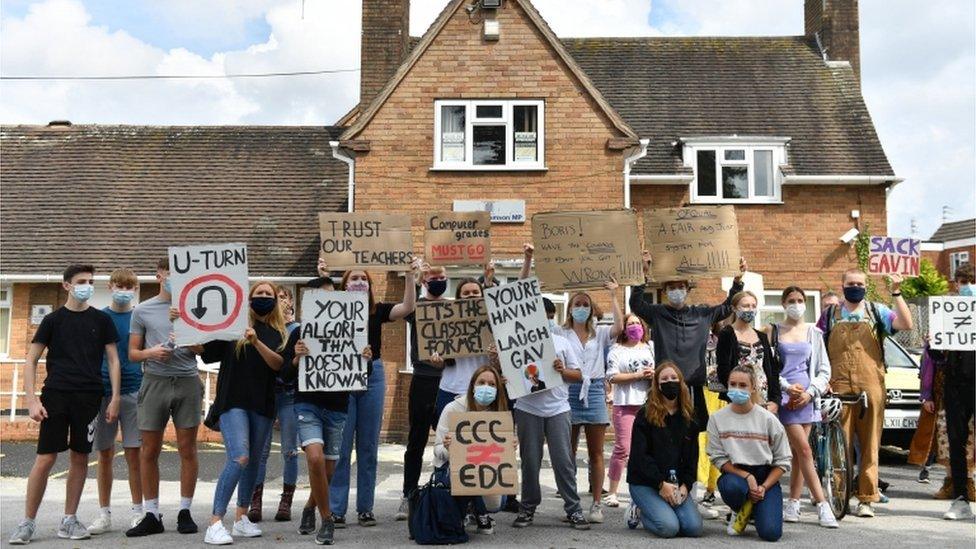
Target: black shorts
{"points": [[70, 422]]}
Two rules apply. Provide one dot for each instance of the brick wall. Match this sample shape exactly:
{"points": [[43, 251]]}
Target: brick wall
{"points": [[942, 259], [395, 175], [838, 25], [385, 36]]}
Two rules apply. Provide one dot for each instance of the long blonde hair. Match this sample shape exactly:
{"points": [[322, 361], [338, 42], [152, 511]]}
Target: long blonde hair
{"points": [[595, 313], [656, 408], [275, 319]]}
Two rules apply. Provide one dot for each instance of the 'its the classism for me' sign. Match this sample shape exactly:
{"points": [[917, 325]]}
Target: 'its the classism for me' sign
{"points": [[521, 331], [452, 329], [334, 328]]}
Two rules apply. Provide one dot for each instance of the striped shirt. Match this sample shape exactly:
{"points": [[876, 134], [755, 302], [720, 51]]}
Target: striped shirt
{"points": [[753, 438]]}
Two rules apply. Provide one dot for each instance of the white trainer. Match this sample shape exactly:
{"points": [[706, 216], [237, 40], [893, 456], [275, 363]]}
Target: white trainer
{"points": [[959, 510], [100, 525], [218, 535], [864, 509], [402, 510], [791, 510], [825, 515], [246, 528]]}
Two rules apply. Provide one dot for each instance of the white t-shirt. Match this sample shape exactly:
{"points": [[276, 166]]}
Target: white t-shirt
{"points": [[455, 379], [554, 401], [592, 356], [629, 360]]}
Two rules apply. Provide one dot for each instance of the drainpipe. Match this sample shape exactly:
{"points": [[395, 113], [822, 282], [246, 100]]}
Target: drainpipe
{"points": [[351, 162], [628, 162]]}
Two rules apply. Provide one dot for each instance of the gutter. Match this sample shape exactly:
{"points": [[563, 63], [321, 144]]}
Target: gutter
{"points": [[351, 162], [628, 162], [662, 179], [841, 180]]}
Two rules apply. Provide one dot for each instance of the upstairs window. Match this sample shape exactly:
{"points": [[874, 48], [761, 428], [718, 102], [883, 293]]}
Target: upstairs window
{"points": [[489, 135], [735, 173]]}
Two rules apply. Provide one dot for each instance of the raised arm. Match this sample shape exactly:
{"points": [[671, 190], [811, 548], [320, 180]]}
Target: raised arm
{"points": [[903, 316], [725, 309], [618, 315], [409, 303], [527, 251]]}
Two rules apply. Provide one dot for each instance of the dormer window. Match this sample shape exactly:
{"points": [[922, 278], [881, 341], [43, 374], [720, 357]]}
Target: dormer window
{"points": [[736, 170], [489, 135]]}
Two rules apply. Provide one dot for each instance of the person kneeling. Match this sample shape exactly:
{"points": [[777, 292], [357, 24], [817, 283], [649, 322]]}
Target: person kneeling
{"points": [[664, 459], [485, 394], [748, 444]]}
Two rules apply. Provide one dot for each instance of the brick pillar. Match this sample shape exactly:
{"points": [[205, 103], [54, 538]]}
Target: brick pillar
{"points": [[385, 39], [835, 22]]}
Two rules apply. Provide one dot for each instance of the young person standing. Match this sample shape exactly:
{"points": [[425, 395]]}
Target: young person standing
{"points": [[124, 286], [77, 337]]}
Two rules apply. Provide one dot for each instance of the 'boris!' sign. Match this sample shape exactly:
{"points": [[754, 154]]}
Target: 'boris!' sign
{"points": [[334, 328], [521, 331], [457, 238], [890, 255], [452, 329], [374, 241], [952, 323], [210, 290], [482, 454]]}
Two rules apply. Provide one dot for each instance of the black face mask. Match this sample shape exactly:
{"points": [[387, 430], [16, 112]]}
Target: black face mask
{"points": [[670, 389], [263, 305], [436, 288]]}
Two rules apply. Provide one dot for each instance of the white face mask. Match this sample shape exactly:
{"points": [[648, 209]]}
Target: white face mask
{"points": [[796, 310]]}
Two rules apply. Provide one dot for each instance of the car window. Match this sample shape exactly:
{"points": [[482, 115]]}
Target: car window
{"points": [[896, 357]]}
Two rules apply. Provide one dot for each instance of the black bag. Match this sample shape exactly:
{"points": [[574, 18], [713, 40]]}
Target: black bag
{"points": [[212, 420], [435, 516]]}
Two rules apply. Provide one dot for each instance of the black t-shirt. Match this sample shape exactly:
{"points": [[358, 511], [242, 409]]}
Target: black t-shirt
{"points": [[245, 380], [376, 320], [337, 401], [75, 344]]}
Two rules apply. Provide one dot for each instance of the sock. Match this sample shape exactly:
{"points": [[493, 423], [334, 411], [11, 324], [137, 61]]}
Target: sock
{"points": [[185, 503], [67, 518], [136, 508], [105, 511], [152, 506]]}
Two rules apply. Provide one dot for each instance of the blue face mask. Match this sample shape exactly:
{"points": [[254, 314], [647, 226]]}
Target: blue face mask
{"points": [[581, 314], [746, 316], [83, 292], [123, 297], [738, 396], [167, 286], [967, 290], [855, 294], [485, 394]]}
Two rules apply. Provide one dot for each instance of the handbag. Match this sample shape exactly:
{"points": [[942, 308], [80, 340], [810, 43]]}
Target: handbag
{"points": [[434, 516]]}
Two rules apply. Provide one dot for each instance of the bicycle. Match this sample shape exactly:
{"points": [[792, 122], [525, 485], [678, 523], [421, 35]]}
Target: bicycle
{"points": [[831, 454]]}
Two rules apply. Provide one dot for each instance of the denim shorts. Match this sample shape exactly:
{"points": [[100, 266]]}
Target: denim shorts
{"points": [[593, 414], [317, 425]]}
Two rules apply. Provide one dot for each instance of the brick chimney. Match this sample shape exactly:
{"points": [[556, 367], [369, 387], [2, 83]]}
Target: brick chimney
{"points": [[385, 39], [835, 24]]}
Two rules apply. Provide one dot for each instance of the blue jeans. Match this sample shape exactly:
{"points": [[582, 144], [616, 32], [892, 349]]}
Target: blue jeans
{"points": [[239, 428], [767, 513], [362, 424], [443, 399], [288, 436], [662, 520]]}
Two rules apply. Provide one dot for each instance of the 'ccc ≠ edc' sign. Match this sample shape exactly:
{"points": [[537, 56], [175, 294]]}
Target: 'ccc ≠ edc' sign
{"points": [[210, 289]]}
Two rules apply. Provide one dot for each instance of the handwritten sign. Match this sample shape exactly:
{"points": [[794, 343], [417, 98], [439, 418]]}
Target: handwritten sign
{"points": [[952, 323], [692, 242], [890, 255], [457, 238], [452, 329], [578, 250], [210, 289], [334, 327], [482, 454], [374, 241], [521, 331]]}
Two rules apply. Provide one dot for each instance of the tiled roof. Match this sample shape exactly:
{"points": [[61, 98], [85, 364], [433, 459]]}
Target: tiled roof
{"points": [[119, 195], [955, 230], [669, 88]]}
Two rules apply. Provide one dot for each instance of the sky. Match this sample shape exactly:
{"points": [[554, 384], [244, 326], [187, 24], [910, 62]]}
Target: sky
{"points": [[918, 68]]}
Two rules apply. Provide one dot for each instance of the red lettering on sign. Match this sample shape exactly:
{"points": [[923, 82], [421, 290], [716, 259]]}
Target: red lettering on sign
{"points": [[235, 305], [485, 453]]}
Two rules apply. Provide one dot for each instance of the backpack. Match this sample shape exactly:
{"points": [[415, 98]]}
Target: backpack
{"points": [[435, 517], [873, 314]]}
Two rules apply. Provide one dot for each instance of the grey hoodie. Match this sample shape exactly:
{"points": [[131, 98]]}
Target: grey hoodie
{"points": [[680, 335]]}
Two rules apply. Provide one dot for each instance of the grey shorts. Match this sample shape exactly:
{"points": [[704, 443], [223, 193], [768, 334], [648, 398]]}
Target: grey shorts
{"points": [[127, 420], [163, 396]]}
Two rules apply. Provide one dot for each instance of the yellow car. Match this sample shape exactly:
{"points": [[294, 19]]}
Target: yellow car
{"points": [[903, 386]]}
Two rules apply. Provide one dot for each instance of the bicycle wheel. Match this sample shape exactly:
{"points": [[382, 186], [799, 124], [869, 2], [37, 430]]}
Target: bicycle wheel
{"points": [[821, 458], [841, 476]]}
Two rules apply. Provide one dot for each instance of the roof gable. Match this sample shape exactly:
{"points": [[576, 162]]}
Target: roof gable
{"points": [[430, 36]]}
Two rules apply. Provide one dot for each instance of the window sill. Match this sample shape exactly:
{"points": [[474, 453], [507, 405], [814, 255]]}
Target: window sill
{"points": [[489, 169], [708, 202]]}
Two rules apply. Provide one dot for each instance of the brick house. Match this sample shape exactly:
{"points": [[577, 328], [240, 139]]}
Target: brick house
{"points": [[490, 109], [951, 245]]}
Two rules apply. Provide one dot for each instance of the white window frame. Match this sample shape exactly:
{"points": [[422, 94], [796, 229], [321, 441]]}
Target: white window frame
{"points": [[772, 304], [507, 120], [777, 146], [955, 260], [9, 305]]}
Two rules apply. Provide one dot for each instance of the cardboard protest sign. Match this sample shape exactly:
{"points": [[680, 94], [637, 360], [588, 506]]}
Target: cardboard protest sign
{"points": [[692, 242], [890, 255], [374, 241], [482, 454], [952, 323], [521, 331], [334, 327], [457, 238], [578, 250], [210, 288], [452, 329]]}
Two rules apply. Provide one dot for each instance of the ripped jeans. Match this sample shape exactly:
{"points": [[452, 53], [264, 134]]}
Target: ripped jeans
{"points": [[244, 433]]}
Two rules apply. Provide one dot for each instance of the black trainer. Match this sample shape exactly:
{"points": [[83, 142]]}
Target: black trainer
{"points": [[326, 533], [578, 521], [340, 522], [184, 523], [366, 519], [307, 525], [512, 505], [486, 524], [148, 526], [523, 519]]}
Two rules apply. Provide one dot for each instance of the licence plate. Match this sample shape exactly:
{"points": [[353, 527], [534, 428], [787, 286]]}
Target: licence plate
{"points": [[900, 423]]}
